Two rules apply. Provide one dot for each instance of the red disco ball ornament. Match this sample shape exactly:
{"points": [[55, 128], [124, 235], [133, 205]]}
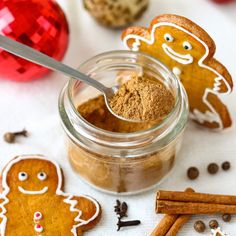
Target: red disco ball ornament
{"points": [[40, 24], [222, 1]]}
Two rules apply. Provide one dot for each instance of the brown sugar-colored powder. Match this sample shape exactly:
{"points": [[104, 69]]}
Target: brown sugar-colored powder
{"points": [[143, 99], [95, 112]]}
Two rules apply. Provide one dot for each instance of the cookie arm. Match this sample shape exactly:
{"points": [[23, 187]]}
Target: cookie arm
{"points": [[2, 200], [225, 82], [220, 109], [91, 212], [134, 35]]}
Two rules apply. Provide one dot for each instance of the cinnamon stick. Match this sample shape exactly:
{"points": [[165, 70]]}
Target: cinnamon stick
{"points": [[191, 208], [165, 224], [171, 224], [181, 220], [196, 197]]}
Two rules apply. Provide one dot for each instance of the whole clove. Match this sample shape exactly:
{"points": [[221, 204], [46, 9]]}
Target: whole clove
{"points": [[122, 224], [121, 209], [10, 137], [117, 206]]}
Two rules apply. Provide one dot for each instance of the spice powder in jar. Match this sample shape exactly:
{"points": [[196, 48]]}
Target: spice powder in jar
{"points": [[115, 155], [142, 99]]}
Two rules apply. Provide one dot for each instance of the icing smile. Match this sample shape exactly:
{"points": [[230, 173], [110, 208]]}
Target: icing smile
{"points": [[183, 59], [42, 191]]}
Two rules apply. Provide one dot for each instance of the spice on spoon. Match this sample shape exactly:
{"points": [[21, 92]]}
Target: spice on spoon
{"points": [[143, 99], [10, 137]]}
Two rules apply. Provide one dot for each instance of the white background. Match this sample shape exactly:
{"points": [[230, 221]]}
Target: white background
{"points": [[34, 106]]}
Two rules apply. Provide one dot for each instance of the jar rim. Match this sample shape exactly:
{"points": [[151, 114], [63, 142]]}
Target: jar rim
{"points": [[154, 128]]}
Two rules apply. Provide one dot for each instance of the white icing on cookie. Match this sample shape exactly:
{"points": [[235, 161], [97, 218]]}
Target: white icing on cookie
{"points": [[135, 47], [42, 176], [177, 71], [207, 116], [38, 216], [22, 176], [59, 192], [38, 228], [187, 45], [217, 84], [42, 191], [202, 117], [217, 232], [137, 43], [183, 59], [168, 37]]}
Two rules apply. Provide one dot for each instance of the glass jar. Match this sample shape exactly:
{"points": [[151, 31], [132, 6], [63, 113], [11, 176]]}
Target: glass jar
{"points": [[122, 162]]}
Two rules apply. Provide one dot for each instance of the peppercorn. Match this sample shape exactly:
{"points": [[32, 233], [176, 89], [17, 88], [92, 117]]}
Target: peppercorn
{"points": [[199, 226], [213, 224], [226, 217], [213, 168], [225, 165], [192, 173]]}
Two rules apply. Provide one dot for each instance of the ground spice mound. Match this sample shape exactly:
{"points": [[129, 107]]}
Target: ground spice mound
{"points": [[144, 99], [95, 112]]}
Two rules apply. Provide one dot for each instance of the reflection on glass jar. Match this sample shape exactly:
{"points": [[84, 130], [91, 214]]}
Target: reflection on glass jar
{"points": [[114, 155]]}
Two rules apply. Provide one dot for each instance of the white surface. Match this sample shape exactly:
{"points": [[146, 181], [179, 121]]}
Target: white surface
{"points": [[34, 106]]}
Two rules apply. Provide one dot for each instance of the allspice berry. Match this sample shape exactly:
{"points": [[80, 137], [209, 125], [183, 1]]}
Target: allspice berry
{"points": [[199, 226], [213, 224], [192, 173], [226, 217], [213, 168], [225, 165]]}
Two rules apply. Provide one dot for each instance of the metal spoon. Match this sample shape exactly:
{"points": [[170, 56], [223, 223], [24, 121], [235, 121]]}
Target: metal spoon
{"points": [[39, 58]]}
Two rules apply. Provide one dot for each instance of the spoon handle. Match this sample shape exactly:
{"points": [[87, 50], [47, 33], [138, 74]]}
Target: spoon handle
{"points": [[39, 58]]}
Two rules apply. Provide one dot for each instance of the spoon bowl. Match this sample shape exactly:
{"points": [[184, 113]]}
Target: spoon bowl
{"points": [[41, 59]]}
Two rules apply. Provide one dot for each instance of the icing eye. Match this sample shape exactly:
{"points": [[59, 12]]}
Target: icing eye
{"points": [[22, 176], [187, 46], [168, 38], [42, 176]]}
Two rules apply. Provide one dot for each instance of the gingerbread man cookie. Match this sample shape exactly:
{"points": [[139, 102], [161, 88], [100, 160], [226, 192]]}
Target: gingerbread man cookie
{"points": [[218, 232], [188, 51], [33, 203]]}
